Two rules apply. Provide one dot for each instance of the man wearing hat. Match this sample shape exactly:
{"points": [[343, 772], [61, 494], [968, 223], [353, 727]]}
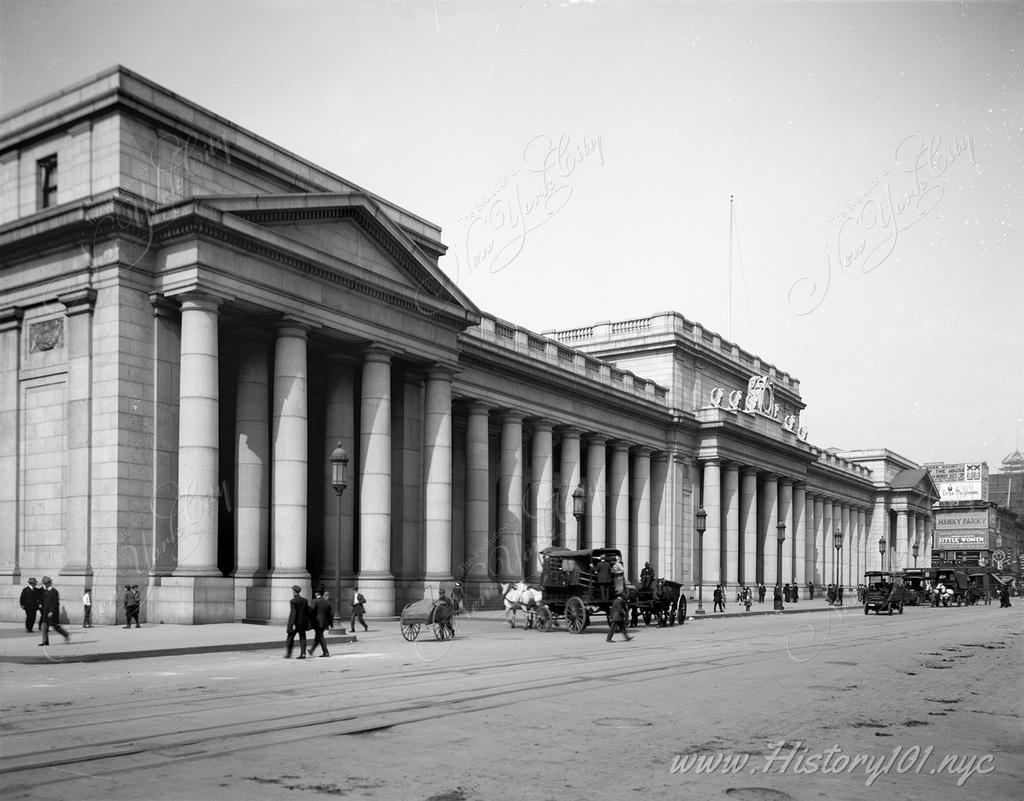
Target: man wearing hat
{"points": [[298, 618], [31, 600], [457, 597], [51, 612]]}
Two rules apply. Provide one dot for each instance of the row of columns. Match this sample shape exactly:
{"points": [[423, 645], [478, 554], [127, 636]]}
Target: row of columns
{"points": [[740, 545], [272, 467]]}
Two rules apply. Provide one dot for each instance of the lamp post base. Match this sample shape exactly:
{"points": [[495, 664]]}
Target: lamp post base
{"points": [[778, 606]]}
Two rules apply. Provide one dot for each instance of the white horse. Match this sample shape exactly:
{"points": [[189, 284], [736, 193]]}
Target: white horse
{"points": [[520, 596]]}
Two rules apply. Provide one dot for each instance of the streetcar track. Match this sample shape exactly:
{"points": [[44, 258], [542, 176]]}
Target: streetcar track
{"points": [[303, 724]]}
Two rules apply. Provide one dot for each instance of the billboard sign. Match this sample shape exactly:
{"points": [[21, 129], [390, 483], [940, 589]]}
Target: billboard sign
{"points": [[960, 481]]}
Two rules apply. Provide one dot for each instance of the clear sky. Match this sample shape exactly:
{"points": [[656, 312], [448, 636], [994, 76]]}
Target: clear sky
{"points": [[581, 156]]}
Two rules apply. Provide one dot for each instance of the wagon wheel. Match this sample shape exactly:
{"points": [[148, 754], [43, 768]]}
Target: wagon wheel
{"points": [[681, 609], [575, 615], [410, 631], [444, 630], [545, 622]]}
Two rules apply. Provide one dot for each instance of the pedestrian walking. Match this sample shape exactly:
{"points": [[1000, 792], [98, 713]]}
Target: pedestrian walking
{"points": [[794, 593], [51, 612], [617, 618], [298, 620], [719, 597], [761, 592], [132, 602], [358, 609], [787, 594], [321, 616], [457, 597], [31, 600], [87, 608], [810, 590]]}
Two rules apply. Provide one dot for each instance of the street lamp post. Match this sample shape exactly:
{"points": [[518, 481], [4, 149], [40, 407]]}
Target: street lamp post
{"points": [[914, 550], [702, 523], [881, 551], [579, 498], [339, 480], [837, 541], [781, 534]]}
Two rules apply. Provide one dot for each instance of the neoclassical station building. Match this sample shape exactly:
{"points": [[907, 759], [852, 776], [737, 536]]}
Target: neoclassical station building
{"points": [[192, 320]]}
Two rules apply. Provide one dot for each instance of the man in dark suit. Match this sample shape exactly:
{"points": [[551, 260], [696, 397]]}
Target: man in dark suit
{"points": [[617, 618], [31, 599], [298, 614], [51, 612], [321, 616], [604, 579]]}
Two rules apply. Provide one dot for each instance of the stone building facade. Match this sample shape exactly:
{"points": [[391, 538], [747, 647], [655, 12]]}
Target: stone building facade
{"points": [[192, 318]]}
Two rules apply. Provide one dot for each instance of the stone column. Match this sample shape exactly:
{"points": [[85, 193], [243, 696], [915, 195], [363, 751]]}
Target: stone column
{"points": [[166, 396], [837, 523], [570, 475], [77, 511], [865, 545], [290, 467], [640, 517], [730, 569], [198, 438], [478, 483], [771, 544], [919, 539], [897, 557], [800, 540], [252, 456], [786, 516], [437, 458], [595, 520], [828, 552], [748, 525], [510, 499], [542, 502], [375, 579], [661, 518], [618, 496], [848, 546], [819, 576], [339, 427], [712, 542], [10, 363]]}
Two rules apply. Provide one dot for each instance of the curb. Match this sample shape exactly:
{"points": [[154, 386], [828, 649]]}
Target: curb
{"points": [[58, 658]]}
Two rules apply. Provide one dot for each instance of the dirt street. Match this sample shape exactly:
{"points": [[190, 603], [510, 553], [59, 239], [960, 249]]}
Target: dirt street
{"points": [[837, 705]]}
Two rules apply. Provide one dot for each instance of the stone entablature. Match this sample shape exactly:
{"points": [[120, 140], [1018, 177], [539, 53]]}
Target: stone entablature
{"points": [[553, 353], [658, 325]]}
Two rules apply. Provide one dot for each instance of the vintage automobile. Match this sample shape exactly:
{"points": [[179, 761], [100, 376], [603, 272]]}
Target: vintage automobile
{"points": [[884, 592], [915, 586]]}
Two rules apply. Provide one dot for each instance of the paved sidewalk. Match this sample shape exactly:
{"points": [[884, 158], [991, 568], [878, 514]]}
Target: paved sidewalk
{"points": [[102, 642]]}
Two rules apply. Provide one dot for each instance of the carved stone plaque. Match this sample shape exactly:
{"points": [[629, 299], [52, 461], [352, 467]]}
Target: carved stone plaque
{"points": [[46, 335]]}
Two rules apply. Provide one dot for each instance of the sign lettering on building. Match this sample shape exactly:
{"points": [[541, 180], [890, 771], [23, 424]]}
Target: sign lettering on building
{"points": [[960, 541], [955, 520], [960, 481]]}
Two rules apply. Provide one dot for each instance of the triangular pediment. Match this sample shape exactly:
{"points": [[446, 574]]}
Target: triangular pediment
{"points": [[354, 233], [918, 480]]}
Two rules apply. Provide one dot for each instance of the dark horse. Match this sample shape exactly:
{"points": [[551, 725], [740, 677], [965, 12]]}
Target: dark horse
{"points": [[659, 602]]}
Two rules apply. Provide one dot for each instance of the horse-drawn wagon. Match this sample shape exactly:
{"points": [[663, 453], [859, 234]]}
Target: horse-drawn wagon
{"points": [[572, 585], [438, 615], [661, 600]]}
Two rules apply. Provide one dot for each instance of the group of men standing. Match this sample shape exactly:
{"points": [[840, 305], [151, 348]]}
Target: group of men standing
{"points": [[43, 601]]}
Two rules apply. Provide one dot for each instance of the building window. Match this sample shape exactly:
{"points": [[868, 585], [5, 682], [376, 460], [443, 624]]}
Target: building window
{"points": [[47, 169]]}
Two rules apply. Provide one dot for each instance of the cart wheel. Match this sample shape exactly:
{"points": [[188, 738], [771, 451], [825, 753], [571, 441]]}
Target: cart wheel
{"points": [[681, 610], [410, 631], [443, 630], [576, 615]]}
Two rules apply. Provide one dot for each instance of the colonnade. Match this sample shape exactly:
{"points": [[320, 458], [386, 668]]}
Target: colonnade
{"points": [[503, 534], [747, 510]]}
